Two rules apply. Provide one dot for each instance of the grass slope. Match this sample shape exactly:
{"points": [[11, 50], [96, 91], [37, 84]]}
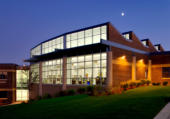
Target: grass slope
{"points": [[139, 103]]}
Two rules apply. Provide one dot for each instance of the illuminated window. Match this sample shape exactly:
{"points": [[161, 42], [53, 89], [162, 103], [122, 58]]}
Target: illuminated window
{"points": [[126, 36], [86, 37], [22, 95], [52, 71], [34, 71], [36, 51], [52, 45], [87, 69], [22, 77]]}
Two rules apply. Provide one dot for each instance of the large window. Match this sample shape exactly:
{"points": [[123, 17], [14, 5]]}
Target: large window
{"points": [[88, 69], [22, 78], [86, 37], [166, 72], [34, 72], [52, 45], [36, 51], [22, 95], [52, 71]]}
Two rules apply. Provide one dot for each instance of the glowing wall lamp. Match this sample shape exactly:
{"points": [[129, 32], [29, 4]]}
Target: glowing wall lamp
{"points": [[123, 57]]}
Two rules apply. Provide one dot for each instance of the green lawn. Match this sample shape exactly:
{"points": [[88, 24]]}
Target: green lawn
{"points": [[140, 103]]}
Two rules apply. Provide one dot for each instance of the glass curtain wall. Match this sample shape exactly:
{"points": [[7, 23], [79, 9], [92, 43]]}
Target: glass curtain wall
{"points": [[36, 51], [52, 71], [22, 78], [52, 45], [86, 37], [87, 69], [34, 72]]}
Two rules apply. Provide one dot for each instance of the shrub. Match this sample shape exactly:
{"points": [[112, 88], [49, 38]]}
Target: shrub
{"points": [[156, 84], [138, 84], [62, 93], [132, 84], [125, 86], [148, 82], [71, 92], [98, 93], [90, 90], [57, 94], [30, 100], [143, 82], [46, 96], [165, 83], [81, 90], [23, 102], [38, 98]]}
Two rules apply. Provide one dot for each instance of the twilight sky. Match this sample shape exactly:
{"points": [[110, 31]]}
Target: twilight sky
{"points": [[25, 23]]}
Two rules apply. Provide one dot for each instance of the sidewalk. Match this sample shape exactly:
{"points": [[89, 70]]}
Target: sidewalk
{"points": [[164, 113]]}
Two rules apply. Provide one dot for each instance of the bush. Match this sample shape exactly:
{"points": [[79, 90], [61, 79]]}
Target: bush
{"points": [[138, 84], [132, 84], [125, 86], [81, 90], [71, 92], [90, 90], [98, 93], [148, 82], [57, 94], [165, 83], [38, 98], [62, 93], [156, 84], [143, 82], [46, 96], [30, 100]]}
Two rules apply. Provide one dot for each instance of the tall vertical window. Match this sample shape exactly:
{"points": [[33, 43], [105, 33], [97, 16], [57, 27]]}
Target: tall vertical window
{"points": [[86, 37], [52, 71], [22, 78], [87, 69], [34, 71]]}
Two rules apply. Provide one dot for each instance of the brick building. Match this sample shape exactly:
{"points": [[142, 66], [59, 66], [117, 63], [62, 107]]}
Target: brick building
{"points": [[96, 55], [13, 83]]}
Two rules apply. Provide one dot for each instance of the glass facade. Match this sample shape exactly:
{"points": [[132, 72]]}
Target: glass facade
{"points": [[86, 37], [34, 71], [36, 51], [22, 78], [52, 45], [87, 69], [52, 71]]}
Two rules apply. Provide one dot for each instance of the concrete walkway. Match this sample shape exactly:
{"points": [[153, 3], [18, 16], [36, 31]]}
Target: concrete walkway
{"points": [[164, 113]]}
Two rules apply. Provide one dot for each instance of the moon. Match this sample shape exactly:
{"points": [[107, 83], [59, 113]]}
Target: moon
{"points": [[122, 14]]}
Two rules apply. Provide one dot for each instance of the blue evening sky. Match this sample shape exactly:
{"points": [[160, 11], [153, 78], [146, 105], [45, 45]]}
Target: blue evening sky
{"points": [[25, 23]]}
